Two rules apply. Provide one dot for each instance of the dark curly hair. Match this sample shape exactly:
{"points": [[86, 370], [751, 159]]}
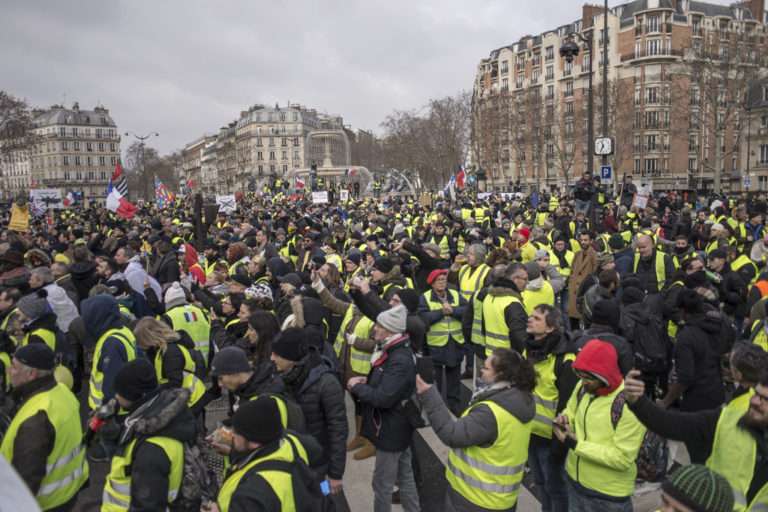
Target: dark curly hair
{"points": [[509, 365]]}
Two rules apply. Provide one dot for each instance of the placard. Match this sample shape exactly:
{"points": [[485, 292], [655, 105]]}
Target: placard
{"points": [[344, 195], [45, 198], [19, 218], [640, 201], [320, 197], [226, 204]]}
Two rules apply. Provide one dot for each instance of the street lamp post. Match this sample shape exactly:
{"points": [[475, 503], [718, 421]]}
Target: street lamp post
{"points": [[141, 139], [570, 50]]}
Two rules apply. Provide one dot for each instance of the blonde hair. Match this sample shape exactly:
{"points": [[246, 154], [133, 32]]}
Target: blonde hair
{"points": [[151, 332]]}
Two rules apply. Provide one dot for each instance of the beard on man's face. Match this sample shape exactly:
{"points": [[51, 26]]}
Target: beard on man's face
{"points": [[755, 419]]}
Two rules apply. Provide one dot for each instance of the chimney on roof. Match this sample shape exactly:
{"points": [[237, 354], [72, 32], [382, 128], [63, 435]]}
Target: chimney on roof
{"points": [[757, 7], [588, 13]]}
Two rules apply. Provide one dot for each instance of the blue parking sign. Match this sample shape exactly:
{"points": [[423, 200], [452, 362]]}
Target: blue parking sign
{"points": [[605, 173]]}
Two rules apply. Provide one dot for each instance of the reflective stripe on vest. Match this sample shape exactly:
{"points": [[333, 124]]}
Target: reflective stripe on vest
{"points": [[359, 361], [496, 328], [490, 477], [96, 394], [471, 279], [546, 395], [190, 381], [734, 452], [192, 320], [66, 469], [447, 327], [478, 336], [116, 496], [280, 482], [743, 261]]}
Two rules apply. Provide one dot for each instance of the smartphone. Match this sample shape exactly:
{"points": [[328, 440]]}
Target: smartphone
{"points": [[425, 369], [325, 487]]}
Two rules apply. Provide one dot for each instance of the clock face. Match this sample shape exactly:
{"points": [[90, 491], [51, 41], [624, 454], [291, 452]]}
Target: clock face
{"points": [[603, 146]]}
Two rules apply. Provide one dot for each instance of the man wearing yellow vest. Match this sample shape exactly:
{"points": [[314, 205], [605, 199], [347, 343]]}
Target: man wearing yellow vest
{"points": [[442, 309], [115, 346], [653, 267], [551, 356], [503, 315], [602, 435], [736, 434], [267, 472], [44, 439], [148, 467], [489, 442]]}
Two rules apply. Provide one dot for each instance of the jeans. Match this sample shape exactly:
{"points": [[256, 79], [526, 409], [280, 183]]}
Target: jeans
{"points": [[548, 476], [391, 468], [451, 388], [578, 502]]}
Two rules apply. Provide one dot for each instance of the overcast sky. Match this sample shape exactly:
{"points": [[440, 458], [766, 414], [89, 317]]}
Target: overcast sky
{"points": [[184, 68]]}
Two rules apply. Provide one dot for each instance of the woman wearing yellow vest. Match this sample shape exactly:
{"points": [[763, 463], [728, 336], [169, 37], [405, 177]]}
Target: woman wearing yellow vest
{"points": [[177, 363], [147, 469], [489, 442], [38, 320]]}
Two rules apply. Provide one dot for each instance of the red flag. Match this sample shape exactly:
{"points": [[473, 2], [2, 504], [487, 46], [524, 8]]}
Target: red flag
{"points": [[118, 171], [460, 178], [126, 210], [299, 183]]}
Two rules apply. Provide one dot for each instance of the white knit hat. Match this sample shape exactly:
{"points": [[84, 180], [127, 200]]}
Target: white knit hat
{"points": [[393, 319], [175, 296]]}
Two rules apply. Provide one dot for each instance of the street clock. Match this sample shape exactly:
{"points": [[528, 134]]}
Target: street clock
{"points": [[603, 146]]}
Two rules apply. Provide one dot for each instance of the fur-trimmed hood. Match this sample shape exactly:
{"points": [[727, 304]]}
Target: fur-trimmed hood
{"points": [[166, 414]]}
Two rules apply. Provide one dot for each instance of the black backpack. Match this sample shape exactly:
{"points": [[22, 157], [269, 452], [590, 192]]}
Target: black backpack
{"points": [[650, 343], [306, 485]]}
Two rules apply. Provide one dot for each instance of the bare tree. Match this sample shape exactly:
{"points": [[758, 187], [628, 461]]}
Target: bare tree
{"points": [[16, 124]]}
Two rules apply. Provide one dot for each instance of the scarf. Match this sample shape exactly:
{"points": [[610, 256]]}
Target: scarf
{"points": [[381, 353], [485, 391]]}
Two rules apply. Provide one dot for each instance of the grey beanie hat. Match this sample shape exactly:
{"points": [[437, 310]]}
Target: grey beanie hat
{"points": [[35, 305], [393, 319]]}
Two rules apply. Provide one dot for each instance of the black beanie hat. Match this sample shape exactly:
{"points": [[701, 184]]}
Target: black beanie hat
{"points": [[36, 355], [258, 420], [695, 280], [409, 298], [383, 265], [606, 312], [291, 344], [632, 295], [135, 380]]}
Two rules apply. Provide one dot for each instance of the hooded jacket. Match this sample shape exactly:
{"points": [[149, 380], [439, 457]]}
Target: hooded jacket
{"points": [[137, 276], [697, 355], [100, 314], [62, 306], [83, 277], [601, 460], [167, 416], [315, 387]]}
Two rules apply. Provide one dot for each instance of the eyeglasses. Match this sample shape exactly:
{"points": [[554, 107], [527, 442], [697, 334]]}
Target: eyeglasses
{"points": [[586, 376]]}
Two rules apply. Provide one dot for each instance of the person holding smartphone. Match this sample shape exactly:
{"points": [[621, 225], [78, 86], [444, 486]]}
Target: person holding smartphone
{"points": [[489, 442]]}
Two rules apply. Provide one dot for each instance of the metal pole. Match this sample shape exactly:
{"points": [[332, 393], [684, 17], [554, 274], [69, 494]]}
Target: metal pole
{"points": [[590, 108], [605, 77]]}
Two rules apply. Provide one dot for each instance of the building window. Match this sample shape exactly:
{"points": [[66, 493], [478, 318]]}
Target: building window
{"points": [[67, 176], [65, 146], [650, 142], [504, 84], [76, 145], [285, 169], [258, 141], [651, 165], [284, 155], [535, 76], [691, 164], [74, 131], [272, 169], [102, 160], [112, 147], [636, 169], [66, 160], [261, 170], [259, 155], [652, 95], [103, 176], [550, 73], [505, 66], [764, 153], [569, 89], [653, 47], [78, 176], [77, 160], [586, 62], [90, 162], [284, 141], [519, 81], [88, 146], [271, 141], [550, 92], [62, 132], [653, 23], [113, 160], [101, 146], [295, 141], [272, 155], [567, 68], [91, 175], [549, 53]]}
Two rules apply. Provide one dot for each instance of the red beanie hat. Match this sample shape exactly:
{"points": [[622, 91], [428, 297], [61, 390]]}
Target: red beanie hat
{"points": [[524, 232], [435, 274]]}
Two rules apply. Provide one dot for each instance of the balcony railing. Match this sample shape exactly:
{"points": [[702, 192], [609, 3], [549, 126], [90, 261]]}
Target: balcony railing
{"points": [[657, 54], [659, 28]]}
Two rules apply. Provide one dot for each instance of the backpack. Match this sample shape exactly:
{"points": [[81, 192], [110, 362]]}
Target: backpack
{"points": [[650, 343], [653, 458], [306, 486], [198, 482]]}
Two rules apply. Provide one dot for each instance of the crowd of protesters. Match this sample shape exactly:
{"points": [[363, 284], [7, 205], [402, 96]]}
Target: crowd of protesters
{"points": [[592, 330]]}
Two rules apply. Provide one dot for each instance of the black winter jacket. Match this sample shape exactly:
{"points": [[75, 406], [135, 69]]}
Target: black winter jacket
{"points": [[316, 388], [697, 355], [167, 416], [389, 385], [167, 270]]}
